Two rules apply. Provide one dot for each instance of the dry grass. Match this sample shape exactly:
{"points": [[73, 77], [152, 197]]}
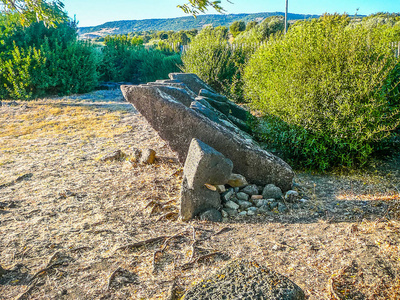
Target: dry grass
{"points": [[80, 228]]}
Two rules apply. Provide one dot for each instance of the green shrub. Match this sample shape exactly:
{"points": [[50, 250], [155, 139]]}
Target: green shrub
{"points": [[330, 92], [257, 33], [123, 61], [216, 62], [237, 27], [17, 73], [37, 60]]}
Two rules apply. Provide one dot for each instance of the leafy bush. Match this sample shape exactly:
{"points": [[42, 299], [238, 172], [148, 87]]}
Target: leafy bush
{"points": [[132, 62], [39, 60], [237, 27], [257, 33], [330, 92], [216, 62]]}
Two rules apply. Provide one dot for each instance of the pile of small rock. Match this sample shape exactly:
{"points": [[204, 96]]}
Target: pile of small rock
{"points": [[250, 199]]}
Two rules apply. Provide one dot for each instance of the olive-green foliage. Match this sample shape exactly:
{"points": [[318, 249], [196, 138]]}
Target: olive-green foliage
{"points": [[237, 27], [251, 25], [37, 60], [125, 59], [257, 33], [329, 91], [216, 62]]}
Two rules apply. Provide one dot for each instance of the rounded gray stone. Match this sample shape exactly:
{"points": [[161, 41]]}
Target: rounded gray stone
{"points": [[224, 213], [242, 196], [211, 215], [231, 204], [260, 202], [252, 208], [245, 280], [251, 190], [291, 196], [273, 204], [227, 195], [231, 212], [264, 209], [244, 204], [272, 191]]}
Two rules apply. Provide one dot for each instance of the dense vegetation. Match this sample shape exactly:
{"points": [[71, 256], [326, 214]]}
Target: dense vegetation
{"points": [[126, 59], [220, 63], [183, 23], [38, 60], [329, 90]]}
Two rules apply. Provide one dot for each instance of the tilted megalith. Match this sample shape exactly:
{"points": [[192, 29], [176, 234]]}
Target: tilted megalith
{"points": [[178, 125], [203, 165]]}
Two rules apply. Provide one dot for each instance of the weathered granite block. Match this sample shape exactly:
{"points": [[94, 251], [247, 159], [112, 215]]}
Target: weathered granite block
{"points": [[178, 125], [206, 165], [203, 165], [192, 81], [215, 96], [179, 91], [196, 201]]}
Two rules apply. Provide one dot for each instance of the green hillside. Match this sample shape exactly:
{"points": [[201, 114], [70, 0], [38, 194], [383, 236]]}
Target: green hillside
{"points": [[176, 24]]}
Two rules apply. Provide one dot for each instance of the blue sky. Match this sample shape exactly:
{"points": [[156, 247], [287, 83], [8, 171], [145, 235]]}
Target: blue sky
{"points": [[95, 12]]}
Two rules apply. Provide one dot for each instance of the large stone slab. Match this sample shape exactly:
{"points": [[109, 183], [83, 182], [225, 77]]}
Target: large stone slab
{"points": [[192, 81], [245, 280], [179, 91], [178, 125]]}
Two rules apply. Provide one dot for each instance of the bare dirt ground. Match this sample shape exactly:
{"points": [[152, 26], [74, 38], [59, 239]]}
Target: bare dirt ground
{"points": [[75, 227]]}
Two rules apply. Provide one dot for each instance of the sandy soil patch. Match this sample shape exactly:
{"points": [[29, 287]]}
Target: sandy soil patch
{"points": [[72, 226]]}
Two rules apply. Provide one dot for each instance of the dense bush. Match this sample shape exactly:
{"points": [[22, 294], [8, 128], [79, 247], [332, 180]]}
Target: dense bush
{"points": [[39, 60], [330, 92], [237, 27], [128, 60], [216, 62], [258, 33]]}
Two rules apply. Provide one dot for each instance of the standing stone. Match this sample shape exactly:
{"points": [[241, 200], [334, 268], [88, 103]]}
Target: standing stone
{"points": [[245, 280], [198, 200], [178, 125], [203, 165]]}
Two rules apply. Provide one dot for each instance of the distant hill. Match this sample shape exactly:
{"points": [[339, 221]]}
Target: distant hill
{"points": [[176, 24]]}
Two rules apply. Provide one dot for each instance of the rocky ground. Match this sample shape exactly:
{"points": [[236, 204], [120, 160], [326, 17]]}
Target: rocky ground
{"points": [[75, 227]]}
